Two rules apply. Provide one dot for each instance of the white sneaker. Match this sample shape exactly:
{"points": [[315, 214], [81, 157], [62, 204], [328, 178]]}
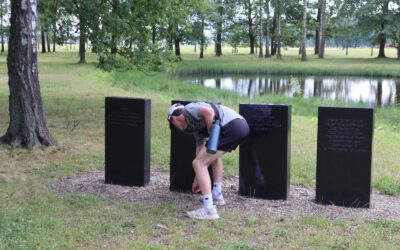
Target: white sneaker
{"points": [[204, 213], [217, 200]]}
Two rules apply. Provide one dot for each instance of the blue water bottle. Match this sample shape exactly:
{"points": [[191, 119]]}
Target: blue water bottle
{"points": [[213, 139]]}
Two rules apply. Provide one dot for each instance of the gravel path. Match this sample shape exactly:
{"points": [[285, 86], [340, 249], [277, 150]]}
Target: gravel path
{"points": [[300, 202]]}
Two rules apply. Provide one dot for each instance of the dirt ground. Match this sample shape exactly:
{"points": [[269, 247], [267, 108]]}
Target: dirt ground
{"points": [[301, 201]]}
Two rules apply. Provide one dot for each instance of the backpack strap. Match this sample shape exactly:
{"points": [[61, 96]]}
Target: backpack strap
{"points": [[216, 108]]}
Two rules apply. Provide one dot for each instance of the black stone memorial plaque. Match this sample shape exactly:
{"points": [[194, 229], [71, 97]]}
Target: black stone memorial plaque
{"points": [[183, 151], [264, 157], [127, 141], [344, 156]]}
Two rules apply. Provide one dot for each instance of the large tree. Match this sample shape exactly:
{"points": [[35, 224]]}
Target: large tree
{"points": [[3, 14], [267, 29], [260, 34], [218, 27], [223, 20], [344, 23], [321, 32], [44, 21], [304, 36], [316, 43], [377, 20], [85, 12], [27, 126], [250, 14], [279, 9], [197, 33]]}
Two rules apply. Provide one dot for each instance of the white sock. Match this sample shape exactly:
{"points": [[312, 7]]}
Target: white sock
{"points": [[217, 189], [208, 201]]}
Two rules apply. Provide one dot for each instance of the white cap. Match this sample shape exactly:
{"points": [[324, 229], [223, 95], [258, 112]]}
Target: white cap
{"points": [[173, 108]]}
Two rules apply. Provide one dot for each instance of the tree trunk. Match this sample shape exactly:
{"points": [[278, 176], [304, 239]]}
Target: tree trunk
{"points": [[382, 36], [273, 39], [178, 49], [202, 40], [218, 42], [48, 42], [303, 43], [82, 39], [278, 40], [153, 34], [321, 34], [114, 48], [398, 50], [54, 41], [260, 54], [1, 28], [251, 37], [316, 49], [114, 32], [382, 42], [267, 35], [27, 126], [55, 9], [201, 52], [170, 42], [250, 25], [43, 41]]}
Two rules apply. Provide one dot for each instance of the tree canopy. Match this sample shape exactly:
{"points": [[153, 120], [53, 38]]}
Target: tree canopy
{"points": [[147, 34]]}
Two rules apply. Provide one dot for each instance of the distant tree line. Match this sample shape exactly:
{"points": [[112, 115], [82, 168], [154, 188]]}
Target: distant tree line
{"points": [[135, 33]]}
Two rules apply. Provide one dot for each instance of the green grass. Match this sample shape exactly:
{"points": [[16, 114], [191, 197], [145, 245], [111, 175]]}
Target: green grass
{"points": [[358, 63], [34, 217]]}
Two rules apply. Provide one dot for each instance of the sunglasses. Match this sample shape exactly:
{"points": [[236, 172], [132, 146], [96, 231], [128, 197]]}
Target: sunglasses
{"points": [[176, 112]]}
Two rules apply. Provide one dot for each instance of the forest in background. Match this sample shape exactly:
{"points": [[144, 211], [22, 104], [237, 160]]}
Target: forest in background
{"points": [[140, 33]]}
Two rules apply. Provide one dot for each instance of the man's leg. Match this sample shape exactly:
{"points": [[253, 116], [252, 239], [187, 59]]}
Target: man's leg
{"points": [[218, 168], [200, 166]]}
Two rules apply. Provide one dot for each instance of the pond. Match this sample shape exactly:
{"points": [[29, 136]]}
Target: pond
{"points": [[371, 91]]}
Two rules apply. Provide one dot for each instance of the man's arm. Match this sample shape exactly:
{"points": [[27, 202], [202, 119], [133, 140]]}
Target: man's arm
{"points": [[207, 114]]}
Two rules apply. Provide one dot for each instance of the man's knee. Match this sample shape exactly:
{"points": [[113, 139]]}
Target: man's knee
{"points": [[197, 164]]}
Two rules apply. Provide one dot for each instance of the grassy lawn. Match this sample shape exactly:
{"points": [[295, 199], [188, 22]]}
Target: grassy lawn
{"points": [[32, 216], [359, 62]]}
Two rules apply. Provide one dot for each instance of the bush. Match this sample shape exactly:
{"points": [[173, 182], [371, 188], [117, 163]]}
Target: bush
{"points": [[152, 58]]}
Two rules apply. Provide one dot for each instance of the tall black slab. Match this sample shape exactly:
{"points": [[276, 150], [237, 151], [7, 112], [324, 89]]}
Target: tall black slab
{"points": [[344, 156], [127, 141], [183, 152], [264, 163]]}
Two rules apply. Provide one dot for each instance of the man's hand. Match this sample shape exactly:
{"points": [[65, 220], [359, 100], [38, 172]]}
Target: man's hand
{"points": [[195, 186]]}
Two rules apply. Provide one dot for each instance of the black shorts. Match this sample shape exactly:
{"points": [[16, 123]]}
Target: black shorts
{"points": [[232, 134]]}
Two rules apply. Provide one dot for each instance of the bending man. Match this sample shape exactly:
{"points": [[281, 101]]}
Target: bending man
{"points": [[196, 119]]}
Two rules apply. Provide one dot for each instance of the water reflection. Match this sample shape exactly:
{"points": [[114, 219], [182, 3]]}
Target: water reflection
{"points": [[372, 91]]}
